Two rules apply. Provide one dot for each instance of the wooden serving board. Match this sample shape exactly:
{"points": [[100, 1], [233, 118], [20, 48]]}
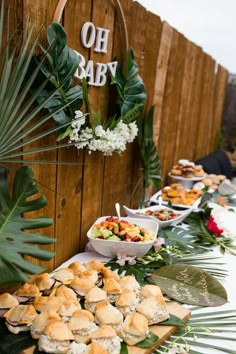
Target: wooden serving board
{"points": [[163, 332]]}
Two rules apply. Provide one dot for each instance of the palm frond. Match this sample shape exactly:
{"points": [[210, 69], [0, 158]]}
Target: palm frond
{"points": [[206, 330], [18, 105]]}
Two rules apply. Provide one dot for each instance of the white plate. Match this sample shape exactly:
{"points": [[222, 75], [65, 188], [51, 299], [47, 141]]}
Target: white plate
{"points": [[182, 214], [111, 248], [181, 178], [154, 199], [186, 182]]}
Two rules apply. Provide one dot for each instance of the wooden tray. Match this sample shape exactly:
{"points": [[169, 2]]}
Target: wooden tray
{"points": [[163, 332]]}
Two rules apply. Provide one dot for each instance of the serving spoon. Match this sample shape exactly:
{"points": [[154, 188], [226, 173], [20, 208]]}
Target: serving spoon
{"points": [[117, 206]]}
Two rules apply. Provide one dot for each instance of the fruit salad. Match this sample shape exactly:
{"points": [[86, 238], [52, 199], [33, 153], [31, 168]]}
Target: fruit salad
{"points": [[115, 229]]}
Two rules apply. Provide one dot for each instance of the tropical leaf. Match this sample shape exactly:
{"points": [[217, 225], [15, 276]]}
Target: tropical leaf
{"points": [[148, 342], [14, 240], [18, 126], [59, 69], [130, 86], [205, 331], [190, 285]]}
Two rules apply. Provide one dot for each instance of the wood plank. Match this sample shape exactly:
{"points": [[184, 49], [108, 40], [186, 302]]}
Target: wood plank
{"points": [[194, 104], [93, 178], [206, 107], [185, 115], [45, 174], [150, 56], [219, 100], [161, 73], [70, 177], [170, 105]]}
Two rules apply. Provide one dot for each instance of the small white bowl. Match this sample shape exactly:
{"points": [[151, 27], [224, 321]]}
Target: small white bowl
{"points": [[182, 214], [110, 248]]}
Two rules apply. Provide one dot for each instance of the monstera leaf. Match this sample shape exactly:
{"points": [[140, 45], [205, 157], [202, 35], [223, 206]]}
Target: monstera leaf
{"points": [[130, 86], [15, 242], [58, 70]]}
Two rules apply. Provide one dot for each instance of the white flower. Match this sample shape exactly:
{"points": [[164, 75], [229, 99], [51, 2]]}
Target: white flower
{"points": [[225, 220], [99, 131], [78, 114]]}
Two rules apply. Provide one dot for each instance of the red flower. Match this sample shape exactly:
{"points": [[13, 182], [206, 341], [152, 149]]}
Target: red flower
{"points": [[212, 226]]}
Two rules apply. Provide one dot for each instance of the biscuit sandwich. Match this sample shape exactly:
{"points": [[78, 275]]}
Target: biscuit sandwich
{"points": [[7, 301], [135, 328], [56, 338], [82, 325], [106, 337], [154, 309], [20, 318], [41, 321], [93, 297]]}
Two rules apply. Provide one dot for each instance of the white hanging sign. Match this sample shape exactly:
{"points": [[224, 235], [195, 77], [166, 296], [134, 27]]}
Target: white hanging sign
{"points": [[95, 73]]}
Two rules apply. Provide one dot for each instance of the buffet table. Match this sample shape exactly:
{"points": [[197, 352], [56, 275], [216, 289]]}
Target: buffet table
{"points": [[229, 284]]}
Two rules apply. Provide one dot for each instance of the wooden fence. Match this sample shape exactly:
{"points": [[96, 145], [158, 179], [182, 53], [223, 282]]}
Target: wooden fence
{"points": [[185, 84]]}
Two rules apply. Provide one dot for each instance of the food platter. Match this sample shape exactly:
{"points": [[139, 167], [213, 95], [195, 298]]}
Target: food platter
{"points": [[138, 213], [155, 199], [163, 332]]}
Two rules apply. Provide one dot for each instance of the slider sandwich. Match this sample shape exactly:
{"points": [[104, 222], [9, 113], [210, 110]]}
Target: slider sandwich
{"points": [[77, 268], [93, 297], [129, 282], [68, 308], [45, 283], [127, 301], [81, 286], [91, 275], [45, 303], [150, 290], [77, 348], [154, 309], [106, 336], [108, 273], [113, 289], [94, 264], [64, 275], [56, 338], [82, 325], [41, 321], [20, 318], [66, 293], [106, 314], [135, 328], [27, 293], [7, 301], [95, 348]]}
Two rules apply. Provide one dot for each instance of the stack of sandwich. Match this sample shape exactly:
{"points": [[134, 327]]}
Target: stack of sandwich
{"points": [[187, 169], [84, 308]]}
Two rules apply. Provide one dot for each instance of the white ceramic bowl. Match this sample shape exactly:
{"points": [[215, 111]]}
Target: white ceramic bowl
{"points": [[134, 213], [110, 248]]}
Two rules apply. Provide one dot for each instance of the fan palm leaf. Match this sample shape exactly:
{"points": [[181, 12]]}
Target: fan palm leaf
{"points": [[206, 330], [18, 108]]}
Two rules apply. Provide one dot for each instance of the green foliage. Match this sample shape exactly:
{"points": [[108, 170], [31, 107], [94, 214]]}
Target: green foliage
{"points": [[130, 86], [18, 126], [58, 70], [206, 329], [151, 164], [190, 285], [14, 240]]}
